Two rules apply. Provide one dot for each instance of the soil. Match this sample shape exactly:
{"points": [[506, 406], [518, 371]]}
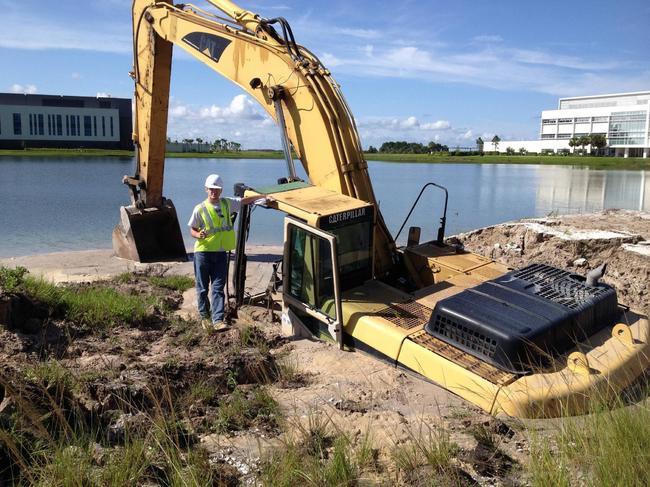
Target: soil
{"points": [[128, 369]]}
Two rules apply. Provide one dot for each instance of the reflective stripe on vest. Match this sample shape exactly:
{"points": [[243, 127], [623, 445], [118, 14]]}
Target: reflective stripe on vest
{"points": [[217, 226]]}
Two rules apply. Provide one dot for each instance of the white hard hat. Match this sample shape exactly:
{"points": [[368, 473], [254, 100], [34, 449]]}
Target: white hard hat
{"points": [[214, 181]]}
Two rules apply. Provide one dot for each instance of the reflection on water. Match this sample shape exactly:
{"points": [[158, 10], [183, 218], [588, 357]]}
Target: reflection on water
{"points": [[568, 190], [57, 204]]}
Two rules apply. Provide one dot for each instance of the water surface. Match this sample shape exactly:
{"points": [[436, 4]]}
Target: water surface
{"points": [[56, 204]]}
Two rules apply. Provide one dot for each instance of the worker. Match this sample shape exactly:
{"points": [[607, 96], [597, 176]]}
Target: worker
{"points": [[211, 224]]}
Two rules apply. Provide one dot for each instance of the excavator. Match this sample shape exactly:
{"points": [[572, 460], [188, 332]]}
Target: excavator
{"points": [[533, 342]]}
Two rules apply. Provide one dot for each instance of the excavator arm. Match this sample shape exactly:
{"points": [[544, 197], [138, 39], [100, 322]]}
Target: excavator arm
{"points": [[287, 80]]}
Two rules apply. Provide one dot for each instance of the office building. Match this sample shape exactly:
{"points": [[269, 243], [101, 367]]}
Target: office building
{"points": [[51, 121], [623, 118]]}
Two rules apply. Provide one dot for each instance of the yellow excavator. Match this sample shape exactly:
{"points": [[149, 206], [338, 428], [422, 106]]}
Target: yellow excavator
{"points": [[537, 341]]}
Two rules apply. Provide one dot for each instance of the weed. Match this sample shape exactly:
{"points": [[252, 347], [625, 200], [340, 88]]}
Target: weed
{"points": [[175, 283], [241, 410], [93, 307], [429, 447], [11, 279]]}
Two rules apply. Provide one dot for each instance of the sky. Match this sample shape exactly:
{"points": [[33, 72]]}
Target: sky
{"points": [[419, 71]]}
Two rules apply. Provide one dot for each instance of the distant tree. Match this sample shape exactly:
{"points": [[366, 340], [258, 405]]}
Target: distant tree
{"points": [[510, 151], [372, 150], [584, 141], [523, 151], [199, 140], [235, 146], [599, 142], [479, 144], [574, 142], [495, 142]]}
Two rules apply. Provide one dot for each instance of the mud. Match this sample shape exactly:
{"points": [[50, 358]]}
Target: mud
{"points": [[125, 375]]}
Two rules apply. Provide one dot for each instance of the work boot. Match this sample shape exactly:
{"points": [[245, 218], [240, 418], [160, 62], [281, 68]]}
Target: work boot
{"points": [[219, 326], [206, 324]]}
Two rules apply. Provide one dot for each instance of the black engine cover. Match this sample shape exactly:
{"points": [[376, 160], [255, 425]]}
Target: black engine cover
{"points": [[521, 319]]}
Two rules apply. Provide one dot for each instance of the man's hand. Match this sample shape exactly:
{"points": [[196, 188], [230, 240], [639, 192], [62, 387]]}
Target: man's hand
{"points": [[202, 233]]}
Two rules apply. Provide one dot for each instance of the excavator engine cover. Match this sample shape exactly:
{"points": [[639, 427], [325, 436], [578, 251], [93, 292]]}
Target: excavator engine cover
{"points": [[522, 319], [149, 235]]}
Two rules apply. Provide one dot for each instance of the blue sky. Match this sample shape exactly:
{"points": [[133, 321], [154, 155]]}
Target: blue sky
{"points": [[410, 70]]}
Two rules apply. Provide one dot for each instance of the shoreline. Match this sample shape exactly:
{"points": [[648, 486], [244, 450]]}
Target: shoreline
{"points": [[591, 162], [99, 264]]}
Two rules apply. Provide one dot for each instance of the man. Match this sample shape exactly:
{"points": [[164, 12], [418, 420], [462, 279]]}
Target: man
{"points": [[212, 226]]}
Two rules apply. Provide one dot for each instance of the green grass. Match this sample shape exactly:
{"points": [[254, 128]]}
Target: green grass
{"points": [[243, 409], [93, 307], [175, 283], [569, 160], [593, 162], [608, 447]]}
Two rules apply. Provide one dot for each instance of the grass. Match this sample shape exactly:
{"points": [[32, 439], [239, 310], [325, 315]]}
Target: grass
{"points": [[95, 307], [595, 162], [608, 447], [92, 307], [241, 410]]}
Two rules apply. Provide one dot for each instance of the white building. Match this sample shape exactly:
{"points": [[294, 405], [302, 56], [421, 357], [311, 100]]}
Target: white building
{"points": [[623, 118]]}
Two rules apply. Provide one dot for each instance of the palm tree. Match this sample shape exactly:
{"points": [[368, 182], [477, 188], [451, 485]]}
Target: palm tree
{"points": [[479, 144], [495, 142], [599, 141], [574, 142], [583, 141]]}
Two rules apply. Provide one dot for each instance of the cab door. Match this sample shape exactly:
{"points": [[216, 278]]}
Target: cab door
{"points": [[311, 275]]}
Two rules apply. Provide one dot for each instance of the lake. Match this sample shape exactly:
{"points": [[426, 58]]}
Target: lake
{"points": [[52, 204]]}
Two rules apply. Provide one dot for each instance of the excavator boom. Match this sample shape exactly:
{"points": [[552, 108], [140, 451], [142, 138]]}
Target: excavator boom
{"points": [[288, 81]]}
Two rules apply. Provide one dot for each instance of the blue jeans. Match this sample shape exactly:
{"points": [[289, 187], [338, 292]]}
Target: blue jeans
{"points": [[210, 268]]}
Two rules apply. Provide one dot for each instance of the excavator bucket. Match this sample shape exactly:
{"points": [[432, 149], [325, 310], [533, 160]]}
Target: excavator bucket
{"points": [[149, 235]]}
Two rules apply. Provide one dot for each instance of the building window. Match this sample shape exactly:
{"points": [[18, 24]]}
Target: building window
{"points": [[59, 125], [18, 129], [601, 119], [73, 125], [548, 136], [549, 121], [103, 127], [627, 128], [563, 136], [41, 124], [88, 126], [111, 119], [31, 126], [67, 125], [78, 125], [95, 126], [583, 119], [565, 120]]}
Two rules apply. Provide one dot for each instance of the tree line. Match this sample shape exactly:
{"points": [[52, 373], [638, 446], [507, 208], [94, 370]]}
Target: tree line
{"points": [[218, 145], [402, 147]]}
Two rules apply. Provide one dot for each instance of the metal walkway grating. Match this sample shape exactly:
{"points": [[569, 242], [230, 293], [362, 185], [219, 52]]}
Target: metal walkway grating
{"points": [[408, 315], [465, 360]]}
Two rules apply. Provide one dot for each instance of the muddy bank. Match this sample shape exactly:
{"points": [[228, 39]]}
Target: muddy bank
{"points": [[578, 243]]}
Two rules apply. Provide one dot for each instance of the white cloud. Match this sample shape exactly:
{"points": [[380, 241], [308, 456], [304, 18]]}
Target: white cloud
{"points": [[468, 135], [103, 94], [410, 122], [240, 121], [27, 89], [437, 125], [360, 33]]}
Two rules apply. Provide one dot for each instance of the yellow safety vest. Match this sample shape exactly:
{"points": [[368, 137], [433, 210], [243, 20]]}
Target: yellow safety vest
{"points": [[219, 229]]}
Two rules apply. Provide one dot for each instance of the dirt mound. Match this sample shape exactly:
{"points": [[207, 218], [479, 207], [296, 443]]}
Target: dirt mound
{"points": [[578, 243]]}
